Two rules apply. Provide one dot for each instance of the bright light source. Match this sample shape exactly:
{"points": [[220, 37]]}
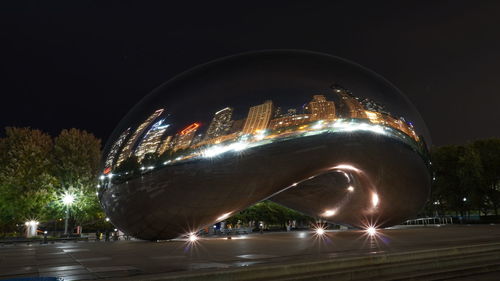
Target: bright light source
{"points": [[465, 199], [68, 199], [116, 229], [260, 134], [347, 167], [224, 216], [214, 151], [110, 175], [375, 199], [239, 146], [102, 177], [31, 222], [151, 167], [318, 125], [329, 213], [350, 188], [45, 232], [320, 231], [192, 237], [107, 219], [371, 230]]}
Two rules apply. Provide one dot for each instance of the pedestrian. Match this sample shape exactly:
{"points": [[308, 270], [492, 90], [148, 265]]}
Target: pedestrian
{"points": [[97, 235]]}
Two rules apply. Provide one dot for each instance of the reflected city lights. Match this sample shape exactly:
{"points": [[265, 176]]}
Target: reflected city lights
{"points": [[375, 199], [224, 216], [347, 167], [329, 213]]}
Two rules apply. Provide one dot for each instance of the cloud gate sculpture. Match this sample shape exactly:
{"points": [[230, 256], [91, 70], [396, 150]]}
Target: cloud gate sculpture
{"points": [[310, 131]]}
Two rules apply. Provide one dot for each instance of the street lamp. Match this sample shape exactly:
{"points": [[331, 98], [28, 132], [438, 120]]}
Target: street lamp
{"points": [[67, 200]]}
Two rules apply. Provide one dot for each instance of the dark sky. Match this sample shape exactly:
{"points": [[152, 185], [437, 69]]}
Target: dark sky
{"points": [[85, 64]]}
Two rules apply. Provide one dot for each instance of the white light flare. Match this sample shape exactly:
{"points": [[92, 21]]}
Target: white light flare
{"points": [[320, 231], [318, 125], [375, 199], [347, 167], [350, 188], [329, 213], [260, 135], [68, 199], [192, 237], [224, 216], [239, 146], [342, 126], [371, 231], [31, 222], [220, 149]]}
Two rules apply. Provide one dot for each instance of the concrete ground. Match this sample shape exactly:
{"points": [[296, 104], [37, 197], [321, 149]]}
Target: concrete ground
{"points": [[96, 260]]}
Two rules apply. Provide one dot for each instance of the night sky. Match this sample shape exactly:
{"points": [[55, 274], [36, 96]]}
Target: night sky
{"points": [[85, 64]]}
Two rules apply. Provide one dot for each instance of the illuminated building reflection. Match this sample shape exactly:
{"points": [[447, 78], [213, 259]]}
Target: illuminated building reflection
{"points": [[262, 124]]}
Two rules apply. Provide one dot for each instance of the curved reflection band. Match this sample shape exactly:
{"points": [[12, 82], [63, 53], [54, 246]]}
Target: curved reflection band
{"points": [[309, 131]]}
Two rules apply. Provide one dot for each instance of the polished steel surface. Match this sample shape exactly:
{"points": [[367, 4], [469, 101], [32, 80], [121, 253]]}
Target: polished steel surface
{"points": [[310, 131]]}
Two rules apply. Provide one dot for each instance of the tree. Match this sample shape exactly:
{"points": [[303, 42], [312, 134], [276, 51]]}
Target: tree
{"points": [[270, 213], [470, 173], [150, 159], [26, 182], [489, 154], [76, 162], [458, 178], [128, 169]]}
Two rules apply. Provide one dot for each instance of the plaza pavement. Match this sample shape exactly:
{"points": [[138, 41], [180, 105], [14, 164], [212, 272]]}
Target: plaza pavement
{"points": [[115, 260]]}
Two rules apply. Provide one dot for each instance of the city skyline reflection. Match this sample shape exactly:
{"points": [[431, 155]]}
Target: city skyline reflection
{"points": [[263, 123]]}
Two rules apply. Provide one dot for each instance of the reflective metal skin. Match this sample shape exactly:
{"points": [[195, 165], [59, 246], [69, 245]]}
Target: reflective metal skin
{"points": [[310, 131]]}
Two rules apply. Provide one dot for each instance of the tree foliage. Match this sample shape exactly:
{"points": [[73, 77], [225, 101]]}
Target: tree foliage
{"points": [[467, 177], [270, 213], [35, 171], [76, 163], [26, 183]]}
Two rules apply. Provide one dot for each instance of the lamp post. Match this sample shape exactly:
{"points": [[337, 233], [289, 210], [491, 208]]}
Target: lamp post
{"points": [[67, 200]]}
